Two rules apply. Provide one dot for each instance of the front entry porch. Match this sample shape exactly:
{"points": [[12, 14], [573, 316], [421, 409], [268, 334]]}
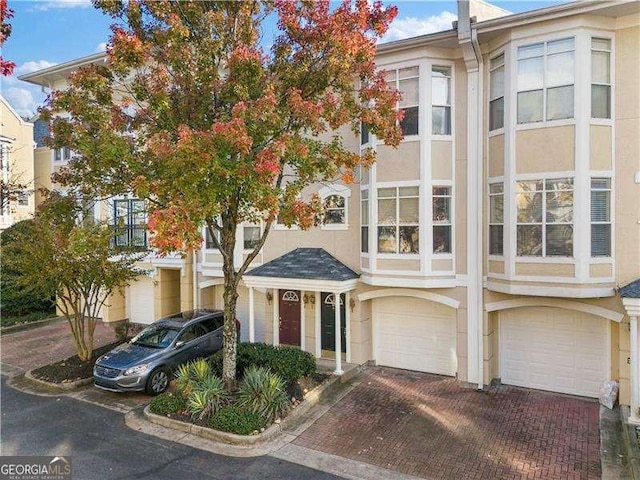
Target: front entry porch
{"points": [[301, 287]]}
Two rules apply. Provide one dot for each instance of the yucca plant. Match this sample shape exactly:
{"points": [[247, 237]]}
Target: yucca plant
{"points": [[206, 397], [190, 375], [262, 392], [184, 384]]}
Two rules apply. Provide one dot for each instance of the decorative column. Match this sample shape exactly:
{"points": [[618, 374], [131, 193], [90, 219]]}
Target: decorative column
{"points": [[252, 337], [632, 306], [336, 306]]}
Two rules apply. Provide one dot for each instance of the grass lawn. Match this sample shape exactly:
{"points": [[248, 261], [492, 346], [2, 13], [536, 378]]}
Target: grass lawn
{"points": [[8, 320]]}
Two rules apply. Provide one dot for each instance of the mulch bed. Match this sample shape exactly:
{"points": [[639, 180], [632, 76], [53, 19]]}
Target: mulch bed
{"points": [[71, 369]]}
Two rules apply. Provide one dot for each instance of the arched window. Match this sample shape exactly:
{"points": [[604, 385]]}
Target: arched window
{"points": [[290, 296], [335, 205], [331, 299]]}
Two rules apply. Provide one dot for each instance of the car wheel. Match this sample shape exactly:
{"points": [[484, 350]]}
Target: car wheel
{"points": [[158, 381]]}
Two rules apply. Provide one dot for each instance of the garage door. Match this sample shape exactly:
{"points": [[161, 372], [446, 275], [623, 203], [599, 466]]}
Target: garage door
{"points": [[140, 301], [415, 334], [553, 349]]}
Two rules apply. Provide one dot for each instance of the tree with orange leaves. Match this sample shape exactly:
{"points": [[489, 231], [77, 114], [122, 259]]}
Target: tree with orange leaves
{"points": [[192, 113], [6, 67]]}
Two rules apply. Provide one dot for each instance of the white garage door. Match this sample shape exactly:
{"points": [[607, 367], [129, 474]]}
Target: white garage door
{"points": [[415, 334], [553, 349], [140, 301]]}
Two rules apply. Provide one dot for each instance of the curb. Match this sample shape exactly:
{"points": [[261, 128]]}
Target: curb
{"points": [[63, 387], [28, 325], [630, 439]]}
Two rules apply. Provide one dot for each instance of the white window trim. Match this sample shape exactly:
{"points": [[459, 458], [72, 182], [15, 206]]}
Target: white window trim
{"points": [[513, 70], [246, 225], [398, 66], [443, 255], [397, 254], [342, 191], [600, 259], [452, 100], [492, 56], [494, 256], [612, 77]]}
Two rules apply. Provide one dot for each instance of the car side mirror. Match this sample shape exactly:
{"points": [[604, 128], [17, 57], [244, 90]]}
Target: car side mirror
{"points": [[179, 344]]}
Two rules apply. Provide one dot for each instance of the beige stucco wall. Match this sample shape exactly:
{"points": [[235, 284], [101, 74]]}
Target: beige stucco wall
{"points": [[441, 265], [115, 307], [600, 270], [600, 147], [168, 292], [401, 164], [546, 269], [412, 265], [533, 154], [441, 160], [627, 162], [42, 172], [496, 267], [496, 156]]}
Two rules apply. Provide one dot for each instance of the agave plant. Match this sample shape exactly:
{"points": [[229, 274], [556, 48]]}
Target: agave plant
{"points": [[206, 397], [184, 384], [262, 392]]}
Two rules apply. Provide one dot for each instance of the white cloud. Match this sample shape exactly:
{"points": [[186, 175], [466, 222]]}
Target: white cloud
{"points": [[43, 6], [102, 47], [408, 27], [29, 67], [25, 98]]}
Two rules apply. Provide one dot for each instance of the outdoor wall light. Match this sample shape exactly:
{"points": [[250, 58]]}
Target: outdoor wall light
{"points": [[269, 297], [352, 304], [309, 298]]}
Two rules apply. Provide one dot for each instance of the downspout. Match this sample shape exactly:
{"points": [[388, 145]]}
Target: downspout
{"points": [[468, 41]]}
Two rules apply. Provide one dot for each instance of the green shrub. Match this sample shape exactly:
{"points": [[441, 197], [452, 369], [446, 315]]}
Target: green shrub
{"points": [[206, 397], [288, 362], [168, 404], [263, 393], [236, 420], [292, 364], [17, 297]]}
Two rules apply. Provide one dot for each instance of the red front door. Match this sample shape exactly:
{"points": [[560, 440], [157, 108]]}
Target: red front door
{"points": [[289, 317]]}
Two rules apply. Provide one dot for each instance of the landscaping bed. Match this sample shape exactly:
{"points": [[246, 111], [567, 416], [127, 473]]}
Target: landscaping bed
{"points": [[273, 381], [11, 320], [71, 369]]}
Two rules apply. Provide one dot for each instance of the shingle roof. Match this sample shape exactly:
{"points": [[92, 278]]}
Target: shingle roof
{"points": [[632, 290], [306, 263]]}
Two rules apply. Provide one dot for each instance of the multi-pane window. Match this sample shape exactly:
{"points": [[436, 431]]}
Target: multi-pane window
{"points": [[496, 92], [406, 81], [209, 244], [251, 236], [63, 153], [398, 220], [441, 101], [545, 81], [600, 217], [441, 200], [23, 199], [364, 133], [364, 221], [496, 219], [334, 210], [600, 78], [545, 217], [130, 222]]}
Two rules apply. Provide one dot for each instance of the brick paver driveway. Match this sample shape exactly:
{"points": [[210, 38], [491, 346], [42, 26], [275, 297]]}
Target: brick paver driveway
{"points": [[426, 425], [40, 346]]}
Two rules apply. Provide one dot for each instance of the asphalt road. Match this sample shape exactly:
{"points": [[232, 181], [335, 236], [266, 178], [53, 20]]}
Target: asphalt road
{"points": [[102, 447]]}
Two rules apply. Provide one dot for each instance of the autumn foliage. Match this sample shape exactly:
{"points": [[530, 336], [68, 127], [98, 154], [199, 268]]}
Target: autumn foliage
{"points": [[6, 67], [217, 117]]}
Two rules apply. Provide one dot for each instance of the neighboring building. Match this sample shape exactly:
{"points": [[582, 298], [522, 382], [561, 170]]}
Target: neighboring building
{"points": [[490, 244], [42, 158], [16, 165]]}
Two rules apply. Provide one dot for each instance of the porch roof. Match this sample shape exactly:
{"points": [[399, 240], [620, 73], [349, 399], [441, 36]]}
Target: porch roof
{"points": [[304, 268], [631, 290]]}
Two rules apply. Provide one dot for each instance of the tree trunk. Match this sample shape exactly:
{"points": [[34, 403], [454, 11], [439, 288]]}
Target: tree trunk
{"points": [[227, 246]]}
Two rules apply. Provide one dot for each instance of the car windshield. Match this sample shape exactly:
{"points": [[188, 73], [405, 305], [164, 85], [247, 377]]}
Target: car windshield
{"points": [[156, 336]]}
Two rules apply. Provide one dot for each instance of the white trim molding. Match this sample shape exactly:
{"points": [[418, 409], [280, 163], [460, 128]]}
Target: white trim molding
{"points": [[406, 292], [557, 303]]}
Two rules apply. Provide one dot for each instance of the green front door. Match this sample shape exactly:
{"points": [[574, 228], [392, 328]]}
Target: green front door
{"points": [[328, 322]]}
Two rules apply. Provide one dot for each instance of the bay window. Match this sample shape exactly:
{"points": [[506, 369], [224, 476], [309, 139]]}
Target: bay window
{"points": [[496, 92], [251, 236], [600, 217], [398, 220], [441, 101], [407, 82], [600, 78], [545, 217], [496, 219], [441, 203], [545, 81]]}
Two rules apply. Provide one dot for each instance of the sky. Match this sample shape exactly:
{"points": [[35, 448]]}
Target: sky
{"points": [[47, 32]]}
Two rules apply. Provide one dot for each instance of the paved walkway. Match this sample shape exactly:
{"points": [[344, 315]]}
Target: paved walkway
{"points": [[40, 346], [428, 426]]}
